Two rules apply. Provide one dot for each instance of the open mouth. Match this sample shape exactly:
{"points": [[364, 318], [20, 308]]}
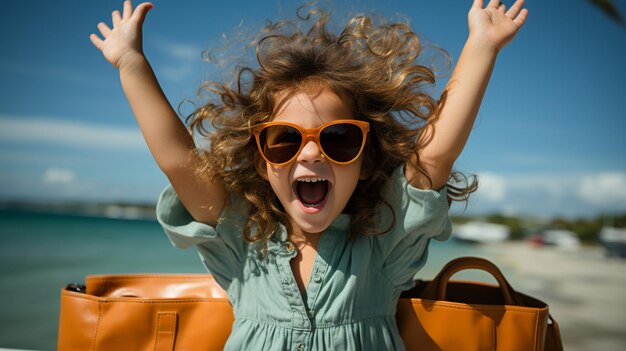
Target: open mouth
{"points": [[312, 192]]}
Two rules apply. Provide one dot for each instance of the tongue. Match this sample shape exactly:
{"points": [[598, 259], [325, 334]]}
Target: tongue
{"points": [[312, 193]]}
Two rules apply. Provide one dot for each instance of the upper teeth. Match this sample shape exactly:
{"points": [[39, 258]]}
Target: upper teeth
{"points": [[311, 179]]}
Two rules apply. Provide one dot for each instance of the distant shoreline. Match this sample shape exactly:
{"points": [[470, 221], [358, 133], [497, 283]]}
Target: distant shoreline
{"points": [[520, 227], [105, 210]]}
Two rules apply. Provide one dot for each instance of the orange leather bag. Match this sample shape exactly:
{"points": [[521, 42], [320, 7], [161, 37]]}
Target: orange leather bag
{"points": [[137, 312], [456, 315], [191, 312]]}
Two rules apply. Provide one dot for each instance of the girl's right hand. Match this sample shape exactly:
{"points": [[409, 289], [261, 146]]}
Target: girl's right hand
{"points": [[122, 44]]}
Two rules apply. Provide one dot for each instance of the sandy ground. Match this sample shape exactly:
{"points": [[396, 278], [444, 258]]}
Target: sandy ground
{"points": [[585, 290]]}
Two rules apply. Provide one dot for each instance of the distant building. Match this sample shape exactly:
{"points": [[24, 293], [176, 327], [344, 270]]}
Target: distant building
{"points": [[614, 241], [561, 238], [481, 232]]}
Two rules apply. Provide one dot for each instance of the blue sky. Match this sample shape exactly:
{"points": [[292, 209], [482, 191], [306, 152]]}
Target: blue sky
{"points": [[549, 138]]}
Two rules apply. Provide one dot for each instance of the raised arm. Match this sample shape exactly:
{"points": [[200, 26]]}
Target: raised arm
{"points": [[167, 137], [490, 29]]}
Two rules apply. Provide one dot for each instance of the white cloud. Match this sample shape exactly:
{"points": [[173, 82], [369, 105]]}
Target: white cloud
{"points": [[59, 176], [491, 187], [186, 57], [70, 133], [31, 186], [179, 51], [550, 194], [554, 185], [176, 73], [603, 188]]}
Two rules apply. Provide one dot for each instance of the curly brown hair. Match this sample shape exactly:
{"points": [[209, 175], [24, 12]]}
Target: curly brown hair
{"points": [[371, 66]]}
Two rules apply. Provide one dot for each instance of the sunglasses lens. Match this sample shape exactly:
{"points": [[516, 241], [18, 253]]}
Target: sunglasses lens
{"points": [[342, 142], [280, 143]]}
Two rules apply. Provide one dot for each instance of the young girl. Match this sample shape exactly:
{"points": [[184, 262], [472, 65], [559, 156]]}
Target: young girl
{"points": [[326, 175]]}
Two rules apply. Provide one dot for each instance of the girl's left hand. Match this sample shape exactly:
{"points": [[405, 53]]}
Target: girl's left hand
{"points": [[493, 25]]}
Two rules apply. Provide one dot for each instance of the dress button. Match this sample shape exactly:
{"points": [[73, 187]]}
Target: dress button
{"points": [[317, 278], [290, 246], [300, 347]]}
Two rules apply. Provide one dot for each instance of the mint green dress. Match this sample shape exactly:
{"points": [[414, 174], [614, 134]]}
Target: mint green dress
{"points": [[350, 300]]}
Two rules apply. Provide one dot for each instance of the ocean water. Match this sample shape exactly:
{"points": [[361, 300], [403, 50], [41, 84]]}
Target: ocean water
{"points": [[40, 253]]}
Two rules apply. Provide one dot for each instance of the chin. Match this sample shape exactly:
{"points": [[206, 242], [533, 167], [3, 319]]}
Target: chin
{"points": [[307, 225]]}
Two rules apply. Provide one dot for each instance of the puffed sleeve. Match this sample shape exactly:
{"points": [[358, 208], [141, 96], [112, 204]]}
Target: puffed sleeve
{"points": [[221, 248], [419, 216]]}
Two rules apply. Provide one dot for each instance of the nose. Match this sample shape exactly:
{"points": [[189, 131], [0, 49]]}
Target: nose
{"points": [[311, 153]]}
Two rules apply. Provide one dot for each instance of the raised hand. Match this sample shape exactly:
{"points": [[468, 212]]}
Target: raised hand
{"points": [[493, 25], [122, 44]]}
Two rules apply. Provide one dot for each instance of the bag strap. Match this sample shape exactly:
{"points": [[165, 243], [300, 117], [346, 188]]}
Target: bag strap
{"points": [[437, 288], [166, 325], [553, 336]]}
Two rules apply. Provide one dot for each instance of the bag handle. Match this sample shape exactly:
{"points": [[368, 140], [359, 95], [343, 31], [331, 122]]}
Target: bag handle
{"points": [[167, 324], [437, 288]]}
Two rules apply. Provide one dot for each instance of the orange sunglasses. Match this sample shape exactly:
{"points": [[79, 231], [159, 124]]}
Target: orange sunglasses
{"points": [[341, 141]]}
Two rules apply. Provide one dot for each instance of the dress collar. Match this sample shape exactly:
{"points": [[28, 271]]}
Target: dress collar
{"points": [[341, 222]]}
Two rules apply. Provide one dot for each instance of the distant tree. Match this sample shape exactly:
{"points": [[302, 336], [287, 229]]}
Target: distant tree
{"points": [[587, 230]]}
